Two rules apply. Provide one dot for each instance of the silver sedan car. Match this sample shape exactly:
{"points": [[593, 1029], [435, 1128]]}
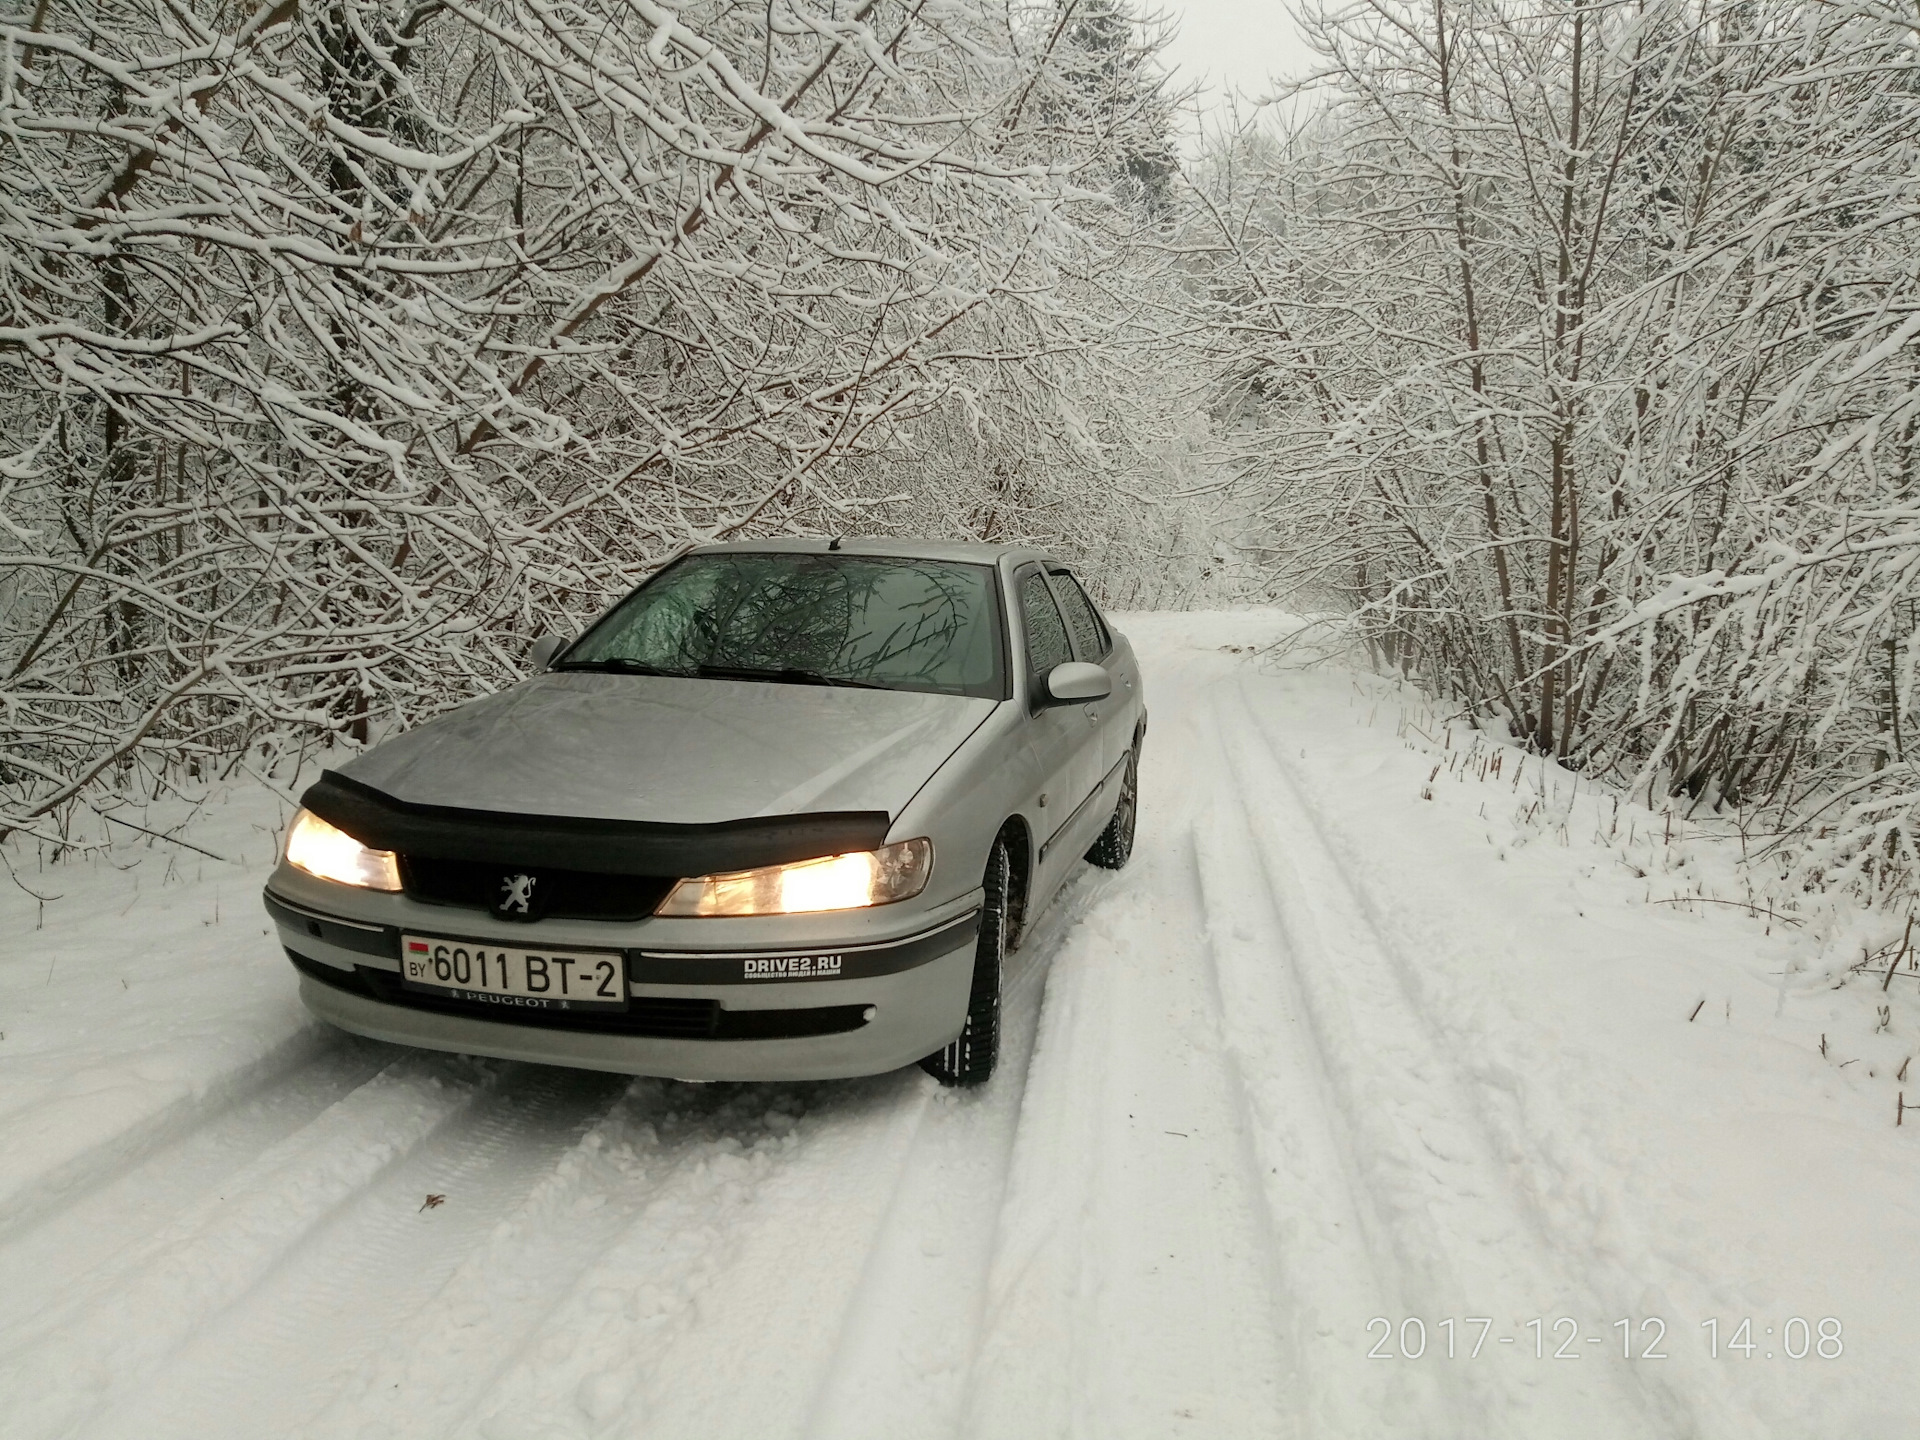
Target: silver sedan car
{"points": [[781, 813]]}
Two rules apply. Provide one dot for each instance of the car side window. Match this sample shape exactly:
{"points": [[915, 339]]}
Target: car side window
{"points": [[1089, 635], [1046, 632]]}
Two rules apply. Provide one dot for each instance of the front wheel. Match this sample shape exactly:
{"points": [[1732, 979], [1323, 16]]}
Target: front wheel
{"points": [[970, 1057], [1115, 844]]}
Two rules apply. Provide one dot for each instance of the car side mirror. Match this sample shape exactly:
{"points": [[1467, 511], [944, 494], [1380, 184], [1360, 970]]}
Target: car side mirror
{"points": [[1078, 681], [544, 649]]}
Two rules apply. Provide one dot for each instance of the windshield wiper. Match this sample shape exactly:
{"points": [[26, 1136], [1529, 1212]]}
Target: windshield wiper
{"points": [[786, 675], [618, 666]]}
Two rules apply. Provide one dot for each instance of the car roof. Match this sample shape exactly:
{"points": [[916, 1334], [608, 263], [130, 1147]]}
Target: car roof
{"points": [[971, 552]]}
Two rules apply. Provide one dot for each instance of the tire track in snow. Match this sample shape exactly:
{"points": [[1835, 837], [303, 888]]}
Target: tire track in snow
{"points": [[106, 1230], [29, 1197], [1333, 1272], [110, 1341], [347, 1290], [1687, 1392], [906, 1342], [503, 1305], [1130, 1286], [1464, 1242], [717, 1306]]}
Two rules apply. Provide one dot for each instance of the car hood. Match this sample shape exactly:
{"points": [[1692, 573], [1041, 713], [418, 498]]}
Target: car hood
{"points": [[656, 748]]}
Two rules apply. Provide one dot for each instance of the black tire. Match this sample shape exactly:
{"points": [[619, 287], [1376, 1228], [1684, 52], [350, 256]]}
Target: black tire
{"points": [[970, 1057], [1115, 844]]}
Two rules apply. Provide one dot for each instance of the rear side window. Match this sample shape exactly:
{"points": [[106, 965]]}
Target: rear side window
{"points": [[1046, 632], [1089, 635]]}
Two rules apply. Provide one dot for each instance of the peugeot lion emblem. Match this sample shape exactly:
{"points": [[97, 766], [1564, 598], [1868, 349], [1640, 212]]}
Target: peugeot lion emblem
{"points": [[518, 894]]}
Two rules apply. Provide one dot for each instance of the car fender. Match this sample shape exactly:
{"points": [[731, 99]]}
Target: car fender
{"points": [[988, 778]]}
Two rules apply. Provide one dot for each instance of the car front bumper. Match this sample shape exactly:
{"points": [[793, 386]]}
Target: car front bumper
{"points": [[882, 992]]}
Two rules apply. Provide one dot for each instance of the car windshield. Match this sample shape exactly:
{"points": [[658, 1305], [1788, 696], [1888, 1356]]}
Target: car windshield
{"points": [[820, 619]]}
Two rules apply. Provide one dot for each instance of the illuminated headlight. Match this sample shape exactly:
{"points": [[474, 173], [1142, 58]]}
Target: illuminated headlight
{"points": [[837, 882], [324, 850]]}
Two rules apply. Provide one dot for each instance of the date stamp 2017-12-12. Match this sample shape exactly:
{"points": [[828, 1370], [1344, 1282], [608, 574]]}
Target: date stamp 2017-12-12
{"points": [[1564, 1338]]}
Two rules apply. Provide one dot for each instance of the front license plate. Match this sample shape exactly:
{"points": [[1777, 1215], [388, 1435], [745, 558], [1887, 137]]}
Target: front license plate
{"points": [[507, 976]]}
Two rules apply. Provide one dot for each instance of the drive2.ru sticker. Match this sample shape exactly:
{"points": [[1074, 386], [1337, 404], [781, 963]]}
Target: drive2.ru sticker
{"points": [[790, 967]]}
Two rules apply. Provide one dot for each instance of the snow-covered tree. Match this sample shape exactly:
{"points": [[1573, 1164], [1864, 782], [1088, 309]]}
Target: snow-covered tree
{"points": [[349, 345], [1572, 351]]}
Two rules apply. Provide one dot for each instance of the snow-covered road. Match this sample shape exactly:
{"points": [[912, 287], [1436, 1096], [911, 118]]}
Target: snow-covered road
{"points": [[1374, 1047]]}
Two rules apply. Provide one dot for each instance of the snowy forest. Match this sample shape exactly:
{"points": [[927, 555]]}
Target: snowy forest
{"points": [[1567, 358]]}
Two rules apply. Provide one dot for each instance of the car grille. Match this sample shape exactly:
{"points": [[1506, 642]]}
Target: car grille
{"points": [[653, 1016], [563, 894]]}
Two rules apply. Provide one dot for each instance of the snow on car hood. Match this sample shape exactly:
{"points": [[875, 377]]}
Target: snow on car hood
{"points": [[633, 747]]}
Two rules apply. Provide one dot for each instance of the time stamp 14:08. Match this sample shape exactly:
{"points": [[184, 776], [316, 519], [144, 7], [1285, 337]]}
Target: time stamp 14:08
{"points": [[1465, 1337]]}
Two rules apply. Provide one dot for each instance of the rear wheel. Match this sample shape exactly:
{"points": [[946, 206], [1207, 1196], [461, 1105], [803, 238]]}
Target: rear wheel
{"points": [[1115, 844], [969, 1059]]}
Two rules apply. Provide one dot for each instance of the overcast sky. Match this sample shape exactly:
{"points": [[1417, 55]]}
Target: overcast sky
{"points": [[1233, 43]]}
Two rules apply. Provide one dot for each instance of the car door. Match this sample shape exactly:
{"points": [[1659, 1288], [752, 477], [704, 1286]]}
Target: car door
{"points": [[1063, 747], [1093, 641]]}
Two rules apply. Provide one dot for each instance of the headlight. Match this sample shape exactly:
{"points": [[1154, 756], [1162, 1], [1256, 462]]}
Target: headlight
{"points": [[324, 850], [838, 882]]}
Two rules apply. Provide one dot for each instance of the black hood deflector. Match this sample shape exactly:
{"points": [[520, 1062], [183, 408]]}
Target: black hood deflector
{"points": [[603, 847]]}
